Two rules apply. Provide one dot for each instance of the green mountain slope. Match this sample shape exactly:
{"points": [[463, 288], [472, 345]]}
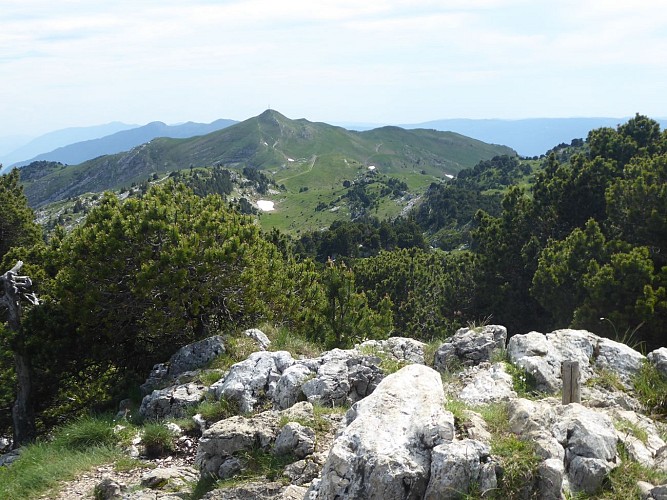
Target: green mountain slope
{"points": [[299, 151]]}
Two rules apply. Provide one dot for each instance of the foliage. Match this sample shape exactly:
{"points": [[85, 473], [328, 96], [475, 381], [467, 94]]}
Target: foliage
{"points": [[345, 317], [518, 460], [17, 226], [431, 292]]}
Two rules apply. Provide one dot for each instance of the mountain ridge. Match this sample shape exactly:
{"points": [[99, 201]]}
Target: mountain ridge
{"points": [[271, 141]]}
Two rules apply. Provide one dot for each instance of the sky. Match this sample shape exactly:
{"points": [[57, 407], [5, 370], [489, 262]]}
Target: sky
{"points": [[69, 63]]}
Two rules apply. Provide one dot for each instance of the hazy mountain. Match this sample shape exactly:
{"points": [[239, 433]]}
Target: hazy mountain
{"points": [[59, 138], [125, 140], [529, 137], [270, 141]]}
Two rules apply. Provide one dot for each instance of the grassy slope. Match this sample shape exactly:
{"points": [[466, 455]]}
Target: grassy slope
{"points": [[323, 156]]}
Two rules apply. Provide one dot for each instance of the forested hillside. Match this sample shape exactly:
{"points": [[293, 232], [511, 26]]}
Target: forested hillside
{"points": [[580, 240]]}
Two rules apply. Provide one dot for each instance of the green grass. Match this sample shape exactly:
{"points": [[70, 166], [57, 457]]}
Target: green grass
{"points": [[630, 428], [621, 482], [214, 411], [157, 439], [75, 448], [606, 379], [42, 467], [651, 390], [282, 339], [86, 432]]}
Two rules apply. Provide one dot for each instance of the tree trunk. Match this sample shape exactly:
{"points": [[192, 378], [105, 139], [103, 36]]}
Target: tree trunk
{"points": [[23, 414], [12, 287]]}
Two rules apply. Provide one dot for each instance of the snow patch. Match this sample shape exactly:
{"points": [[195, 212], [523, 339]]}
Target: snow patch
{"points": [[371, 167], [265, 205], [290, 159], [449, 176]]}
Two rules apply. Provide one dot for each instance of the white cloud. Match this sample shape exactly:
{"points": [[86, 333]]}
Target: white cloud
{"points": [[82, 62]]}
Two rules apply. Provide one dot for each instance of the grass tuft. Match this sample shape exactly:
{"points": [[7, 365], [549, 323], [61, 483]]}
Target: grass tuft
{"points": [[651, 390], [157, 439]]}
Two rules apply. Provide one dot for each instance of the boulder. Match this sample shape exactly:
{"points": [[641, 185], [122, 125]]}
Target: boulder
{"points": [[288, 389], [589, 439], [342, 378], [172, 402], [542, 356], [190, 357], [469, 347], [659, 359], [262, 490], [173, 478], [458, 465], [384, 451], [196, 355], [254, 380], [295, 439], [109, 489], [489, 384]]}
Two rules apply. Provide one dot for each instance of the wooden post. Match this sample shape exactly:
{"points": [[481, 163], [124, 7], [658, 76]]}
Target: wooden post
{"points": [[570, 375]]}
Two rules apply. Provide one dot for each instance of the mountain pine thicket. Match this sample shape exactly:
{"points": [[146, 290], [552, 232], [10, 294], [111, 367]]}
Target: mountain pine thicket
{"points": [[585, 238]]}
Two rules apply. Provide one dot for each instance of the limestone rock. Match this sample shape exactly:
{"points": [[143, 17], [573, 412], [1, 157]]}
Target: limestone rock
{"points": [[659, 359], [455, 466], [469, 347], [342, 378], [196, 355], [295, 439], [253, 380], [172, 401], [489, 385], [400, 349], [227, 437], [256, 491], [288, 389], [173, 478], [384, 452], [109, 489], [259, 337], [542, 355]]}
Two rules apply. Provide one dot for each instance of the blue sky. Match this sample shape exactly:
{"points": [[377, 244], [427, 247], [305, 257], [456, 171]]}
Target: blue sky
{"points": [[75, 63]]}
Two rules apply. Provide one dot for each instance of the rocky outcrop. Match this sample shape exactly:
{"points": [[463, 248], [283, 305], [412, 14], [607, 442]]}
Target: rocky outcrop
{"points": [[397, 441], [469, 347], [254, 380], [221, 446], [171, 401], [190, 357], [541, 356], [385, 449]]}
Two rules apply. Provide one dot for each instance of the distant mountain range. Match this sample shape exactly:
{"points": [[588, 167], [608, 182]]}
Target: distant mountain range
{"points": [[124, 140], [289, 148], [529, 137], [59, 138]]}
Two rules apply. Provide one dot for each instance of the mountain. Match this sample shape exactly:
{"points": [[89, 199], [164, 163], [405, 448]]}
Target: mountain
{"points": [[59, 138], [529, 137], [127, 139], [298, 153]]}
